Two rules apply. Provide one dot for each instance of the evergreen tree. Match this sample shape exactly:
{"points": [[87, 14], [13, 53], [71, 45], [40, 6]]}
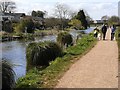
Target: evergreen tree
{"points": [[38, 14], [81, 16]]}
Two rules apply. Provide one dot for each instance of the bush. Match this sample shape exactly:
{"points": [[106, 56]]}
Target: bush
{"points": [[8, 80], [64, 38], [7, 26], [40, 54], [25, 25]]}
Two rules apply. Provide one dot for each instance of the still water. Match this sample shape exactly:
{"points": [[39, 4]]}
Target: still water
{"points": [[15, 51]]}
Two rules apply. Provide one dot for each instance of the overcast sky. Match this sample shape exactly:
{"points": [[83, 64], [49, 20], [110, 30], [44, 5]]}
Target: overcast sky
{"points": [[95, 8]]}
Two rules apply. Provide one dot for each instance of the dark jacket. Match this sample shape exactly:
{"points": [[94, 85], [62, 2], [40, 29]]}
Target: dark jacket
{"points": [[104, 29]]}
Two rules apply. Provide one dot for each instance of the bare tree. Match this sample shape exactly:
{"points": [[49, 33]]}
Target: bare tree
{"points": [[62, 12], [72, 14], [7, 6], [105, 18]]}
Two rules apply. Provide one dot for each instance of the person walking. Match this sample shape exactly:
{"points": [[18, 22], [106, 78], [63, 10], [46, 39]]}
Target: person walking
{"points": [[95, 32], [104, 30], [113, 32]]}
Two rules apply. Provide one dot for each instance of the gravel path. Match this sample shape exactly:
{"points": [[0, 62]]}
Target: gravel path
{"points": [[97, 69]]}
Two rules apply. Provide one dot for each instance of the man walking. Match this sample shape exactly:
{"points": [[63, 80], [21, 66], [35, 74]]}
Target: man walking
{"points": [[104, 30]]}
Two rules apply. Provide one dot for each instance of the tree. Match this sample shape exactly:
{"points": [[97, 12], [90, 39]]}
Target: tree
{"points": [[25, 24], [29, 25], [113, 20], [34, 13], [7, 25], [7, 6], [89, 20], [38, 14], [72, 14], [62, 12], [52, 22], [81, 16], [105, 18], [75, 23]]}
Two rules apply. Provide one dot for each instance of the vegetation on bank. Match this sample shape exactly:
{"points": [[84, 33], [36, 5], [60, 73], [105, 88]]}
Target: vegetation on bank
{"points": [[48, 77], [8, 76], [64, 39], [40, 54], [118, 40], [26, 36]]}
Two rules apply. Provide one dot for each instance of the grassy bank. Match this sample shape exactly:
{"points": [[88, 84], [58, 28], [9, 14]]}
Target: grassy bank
{"points": [[48, 77], [118, 40]]}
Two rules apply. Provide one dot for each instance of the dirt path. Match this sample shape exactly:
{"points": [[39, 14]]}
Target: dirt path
{"points": [[97, 69]]}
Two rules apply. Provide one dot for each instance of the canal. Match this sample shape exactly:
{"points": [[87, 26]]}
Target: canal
{"points": [[15, 51]]}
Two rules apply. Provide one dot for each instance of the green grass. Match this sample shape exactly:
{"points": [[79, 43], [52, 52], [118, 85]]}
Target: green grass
{"points": [[118, 40], [48, 77]]}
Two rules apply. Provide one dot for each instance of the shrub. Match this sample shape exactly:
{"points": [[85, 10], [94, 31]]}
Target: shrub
{"points": [[7, 26], [25, 25], [64, 38], [40, 54], [8, 80]]}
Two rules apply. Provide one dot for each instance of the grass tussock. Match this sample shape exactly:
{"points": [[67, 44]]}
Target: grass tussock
{"points": [[40, 54], [8, 76]]}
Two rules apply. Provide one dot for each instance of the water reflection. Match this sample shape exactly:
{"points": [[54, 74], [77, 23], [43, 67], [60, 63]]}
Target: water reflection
{"points": [[46, 38]]}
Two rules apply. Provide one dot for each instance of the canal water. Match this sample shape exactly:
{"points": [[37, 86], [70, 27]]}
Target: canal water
{"points": [[15, 51]]}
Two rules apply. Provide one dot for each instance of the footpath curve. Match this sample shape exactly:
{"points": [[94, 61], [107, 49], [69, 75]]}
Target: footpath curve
{"points": [[97, 69]]}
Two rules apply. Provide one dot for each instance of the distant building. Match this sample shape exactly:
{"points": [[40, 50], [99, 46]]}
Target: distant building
{"points": [[119, 9], [14, 16], [98, 21], [7, 17]]}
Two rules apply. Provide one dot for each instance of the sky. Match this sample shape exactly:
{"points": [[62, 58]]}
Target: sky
{"points": [[95, 8]]}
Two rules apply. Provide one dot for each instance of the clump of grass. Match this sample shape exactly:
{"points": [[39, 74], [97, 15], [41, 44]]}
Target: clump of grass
{"points": [[8, 78], [40, 54]]}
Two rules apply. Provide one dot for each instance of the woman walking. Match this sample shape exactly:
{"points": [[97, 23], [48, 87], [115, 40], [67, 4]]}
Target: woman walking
{"points": [[113, 32]]}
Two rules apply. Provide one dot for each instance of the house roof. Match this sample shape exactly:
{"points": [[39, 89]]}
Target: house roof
{"points": [[14, 14]]}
